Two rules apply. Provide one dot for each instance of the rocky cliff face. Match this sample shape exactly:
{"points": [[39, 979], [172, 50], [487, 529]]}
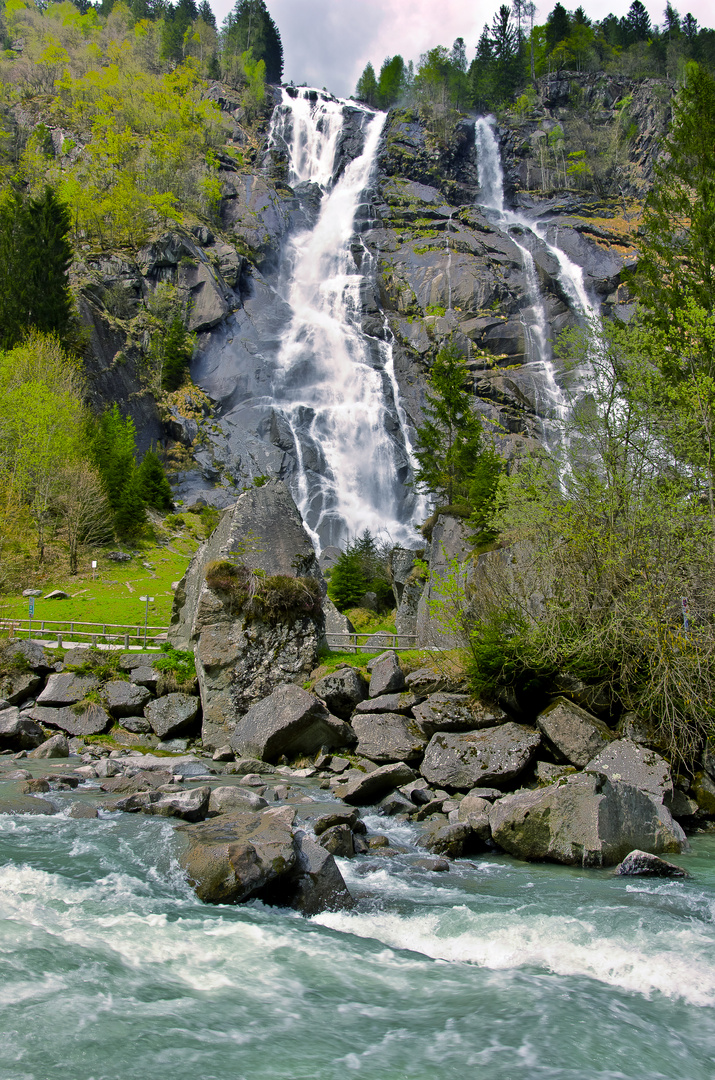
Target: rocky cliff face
{"points": [[432, 261]]}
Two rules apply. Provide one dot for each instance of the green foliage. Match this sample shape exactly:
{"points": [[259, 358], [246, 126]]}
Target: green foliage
{"points": [[178, 347], [177, 662], [249, 28], [35, 255], [366, 89], [153, 484], [114, 453], [276, 598], [455, 462], [347, 584], [678, 235]]}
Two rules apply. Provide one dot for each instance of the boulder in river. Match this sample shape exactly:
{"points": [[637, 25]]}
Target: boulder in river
{"points": [[576, 734], [289, 721], [643, 864], [55, 747], [457, 712], [625, 760], [342, 690], [25, 804], [584, 820], [483, 757], [385, 737], [19, 732], [173, 714], [373, 786]]}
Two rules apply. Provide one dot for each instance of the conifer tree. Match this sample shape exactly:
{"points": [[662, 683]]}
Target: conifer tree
{"points": [[455, 464], [178, 349], [347, 584], [153, 484], [250, 27], [114, 453], [366, 89], [35, 256]]}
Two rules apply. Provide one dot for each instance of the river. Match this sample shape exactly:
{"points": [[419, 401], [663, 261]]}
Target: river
{"points": [[113, 970]]}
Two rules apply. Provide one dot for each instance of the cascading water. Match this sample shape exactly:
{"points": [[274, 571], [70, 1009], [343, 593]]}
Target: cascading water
{"points": [[554, 404], [332, 383]]}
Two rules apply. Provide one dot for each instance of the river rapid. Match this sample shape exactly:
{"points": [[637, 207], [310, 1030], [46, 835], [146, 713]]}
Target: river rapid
{"points": [[113, 970]]}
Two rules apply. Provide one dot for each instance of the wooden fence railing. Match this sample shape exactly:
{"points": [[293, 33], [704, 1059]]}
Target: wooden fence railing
{"points": [[370, 642], [126, 634]]}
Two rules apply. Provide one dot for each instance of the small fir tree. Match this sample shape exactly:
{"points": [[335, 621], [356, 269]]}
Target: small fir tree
{"points": [[347, 584], [153, 484], [178, 349]]}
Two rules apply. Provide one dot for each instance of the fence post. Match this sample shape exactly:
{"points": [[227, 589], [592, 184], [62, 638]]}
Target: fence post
{"points": [[59, 640], [126, 641], [94, 641]]}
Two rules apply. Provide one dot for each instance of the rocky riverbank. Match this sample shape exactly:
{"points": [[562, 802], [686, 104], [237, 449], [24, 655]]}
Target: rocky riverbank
{"points": [[265, 815]]}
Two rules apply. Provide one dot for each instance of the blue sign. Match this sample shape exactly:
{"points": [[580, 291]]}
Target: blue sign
{"points": [[32, 606]]}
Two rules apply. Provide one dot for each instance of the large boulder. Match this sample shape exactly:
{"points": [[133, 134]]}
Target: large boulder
{"points": [[19, 732], [342, 690], [633, 764], [289, 721], [584, 820], [55, 747], [18, 686], [402, 703], [385, 737], [457, 712], [173, 715], [575, 734], [371, 787], [227, 800], [240, 658], [125, 698], [235, 856], [190, 805], [479, 758], [642, 864], [19, 656], [386, 675], [65, 688], [81, 720], [25, 804]]}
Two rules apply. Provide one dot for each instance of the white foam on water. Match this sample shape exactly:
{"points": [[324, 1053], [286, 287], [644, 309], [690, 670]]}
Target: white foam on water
{"points": [[676, 963]]}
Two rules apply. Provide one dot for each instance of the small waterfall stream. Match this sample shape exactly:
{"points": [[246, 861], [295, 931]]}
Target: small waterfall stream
{"points": [[334, 385], [554, 404]]}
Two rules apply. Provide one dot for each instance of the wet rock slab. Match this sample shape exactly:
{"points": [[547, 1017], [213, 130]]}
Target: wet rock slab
{"points": [[289, 721], [388, 737]]}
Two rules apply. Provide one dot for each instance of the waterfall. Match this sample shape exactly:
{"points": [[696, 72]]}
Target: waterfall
{"points": [[570, 276], [333, 384]]}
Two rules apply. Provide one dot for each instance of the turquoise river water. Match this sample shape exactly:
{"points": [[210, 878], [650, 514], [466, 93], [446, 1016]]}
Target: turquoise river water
{"points": [[111, 969]]}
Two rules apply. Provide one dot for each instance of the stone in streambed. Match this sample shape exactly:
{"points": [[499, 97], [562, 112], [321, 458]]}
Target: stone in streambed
{"points": [[369, 788], [386, 675], [575, 733], [25, 804], [19, 732], [289, 721], [466, 760], [643, 864], [389, 737], [233, 857], [125, 699], [338, 840], [80, 811], [187, 805], [225, 800], [56, 747], [342, 691], [584, 820], [173, 714]]}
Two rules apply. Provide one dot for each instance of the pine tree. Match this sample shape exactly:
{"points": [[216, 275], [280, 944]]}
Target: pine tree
{"points": [[678, 236], [366, 89], [250, 27], [178, 349], [454, 462], [153, 484], [114, 452], [35, 256], [391, 84], [347, 584]]}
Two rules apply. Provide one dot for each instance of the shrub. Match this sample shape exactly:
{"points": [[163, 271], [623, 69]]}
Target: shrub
{"points": [[280, 598]]}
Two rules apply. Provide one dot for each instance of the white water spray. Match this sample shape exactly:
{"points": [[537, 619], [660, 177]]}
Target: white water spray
{"points": [[335, 385]]}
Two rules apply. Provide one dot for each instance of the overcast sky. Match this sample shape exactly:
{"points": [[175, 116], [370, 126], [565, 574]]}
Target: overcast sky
{"points": [[328, 42]]}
